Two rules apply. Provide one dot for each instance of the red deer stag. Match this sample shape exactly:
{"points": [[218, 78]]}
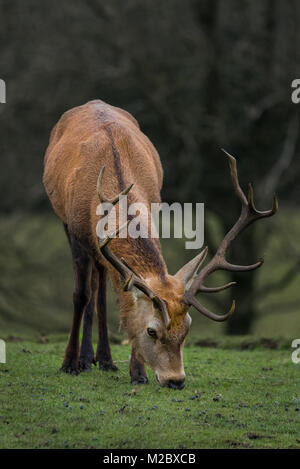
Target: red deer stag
{"points": [[154, 304]]}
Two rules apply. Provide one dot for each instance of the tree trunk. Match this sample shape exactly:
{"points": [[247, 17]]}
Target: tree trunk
{"points": [[242, 320]]}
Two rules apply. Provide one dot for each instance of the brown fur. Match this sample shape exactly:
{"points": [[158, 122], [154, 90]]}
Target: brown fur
{"points": [[85, 139]]}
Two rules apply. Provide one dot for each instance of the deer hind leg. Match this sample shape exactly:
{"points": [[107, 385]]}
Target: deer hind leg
{"points": [[82, 271], [103, 355], [137, 370], [87, 358]]}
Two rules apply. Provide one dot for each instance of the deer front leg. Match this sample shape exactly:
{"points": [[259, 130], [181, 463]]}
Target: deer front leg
{"points": [[81, 297], [137, 370], [103, 355], [87, 358]]}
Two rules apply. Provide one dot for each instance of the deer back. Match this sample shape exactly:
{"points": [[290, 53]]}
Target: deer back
{"points": [[84, 140]]}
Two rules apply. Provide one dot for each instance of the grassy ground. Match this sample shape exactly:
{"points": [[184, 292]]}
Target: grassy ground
{"points": [[233, 399], [246, 394]]}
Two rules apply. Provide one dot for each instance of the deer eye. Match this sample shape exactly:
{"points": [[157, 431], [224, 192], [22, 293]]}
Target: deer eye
{"points": [[151, 332]]}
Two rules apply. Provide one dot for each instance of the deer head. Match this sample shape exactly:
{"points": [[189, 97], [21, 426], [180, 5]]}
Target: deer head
{"points": [[159, 321]]}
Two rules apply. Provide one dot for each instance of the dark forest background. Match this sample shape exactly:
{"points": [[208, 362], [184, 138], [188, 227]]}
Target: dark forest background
{"points": [[197, 75]]}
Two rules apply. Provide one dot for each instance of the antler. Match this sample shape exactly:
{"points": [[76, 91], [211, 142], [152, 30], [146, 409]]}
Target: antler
{"points": [[104, 199], [248, 215], [131, 279]]}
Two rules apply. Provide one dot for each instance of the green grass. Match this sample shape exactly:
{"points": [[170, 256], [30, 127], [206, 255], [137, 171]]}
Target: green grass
{"points": [[254, 377], [245, 399]]}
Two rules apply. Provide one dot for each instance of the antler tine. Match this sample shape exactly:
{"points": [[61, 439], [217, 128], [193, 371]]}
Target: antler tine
{"points": [[102, 197], [253, 209], [205, 289], [131, 278], [128, 284], [234, 177], [247, 201], [209, 314], [249, 214], [242, 268], [161, 305], [111, 257], [113, 235]]}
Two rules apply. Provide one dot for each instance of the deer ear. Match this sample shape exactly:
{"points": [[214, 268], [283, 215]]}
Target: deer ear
{"points": [[189, 270]]}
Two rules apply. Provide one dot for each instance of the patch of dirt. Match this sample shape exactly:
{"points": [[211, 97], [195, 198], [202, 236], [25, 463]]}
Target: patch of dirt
{"points": [[206, 343], [255, 436], [237, 444], [12, 338], [247, 343], [263, 342]]}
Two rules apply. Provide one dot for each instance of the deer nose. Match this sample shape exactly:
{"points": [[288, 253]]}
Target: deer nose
{"points": [[176, 384]]}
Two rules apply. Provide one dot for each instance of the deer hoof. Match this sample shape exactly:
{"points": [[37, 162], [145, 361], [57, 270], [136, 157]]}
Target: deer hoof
{"points": [[71, 367], [139, 380], [108, 366], [86, 364]]}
